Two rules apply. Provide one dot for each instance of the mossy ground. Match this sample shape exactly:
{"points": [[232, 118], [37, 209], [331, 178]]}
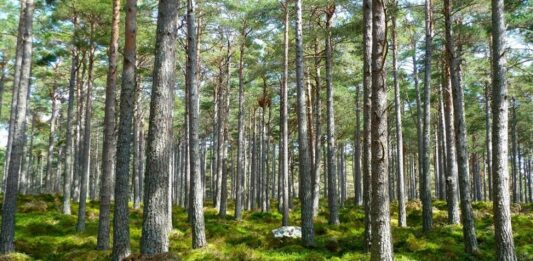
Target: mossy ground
{"points": [[43, 233]]}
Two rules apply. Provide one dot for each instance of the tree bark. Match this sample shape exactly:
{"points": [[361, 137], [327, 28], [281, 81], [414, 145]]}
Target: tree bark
{"points": [[425, 177], [318, 135], [86, 145], [503, 231], [197, 200], [303, 141], [7, 233], [451, 156], [381, 229], [284, 130], [69, 150], [399, 138], [488, 140], [367, 107], [332, 166], [514, 154], [240, 141], [452, 56], [357, 152], [121, 229], [109, 140], [154, 239], [54, 95]]}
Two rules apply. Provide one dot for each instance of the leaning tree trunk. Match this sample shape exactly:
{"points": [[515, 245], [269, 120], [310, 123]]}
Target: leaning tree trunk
{"points": [[108, 148], [7, 233], [381, 229], [367, 106], [303, 141], [332, 166], [121, 229], [196, 192], [154, 239], [503, 231]]}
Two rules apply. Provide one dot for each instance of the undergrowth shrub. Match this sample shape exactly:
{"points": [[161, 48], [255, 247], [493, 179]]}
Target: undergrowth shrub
{"points": [[34, 206]]}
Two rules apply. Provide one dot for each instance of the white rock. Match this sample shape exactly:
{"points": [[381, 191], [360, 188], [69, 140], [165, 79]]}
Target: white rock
{"points": [[287, 231]]}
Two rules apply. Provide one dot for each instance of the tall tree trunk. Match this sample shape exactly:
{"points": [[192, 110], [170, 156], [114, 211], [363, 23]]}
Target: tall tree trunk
{"points": [[109, 140], [367, 107], [86, 144], [399, 137], [451, 156], [503, 231], [488, 140], [3, 63], [381, 229], [318, 135], [197, 200], [441, 133], [453, 59], [69, 150], [284, 130], [19, 56], [138, 150], [303, 141], [7, 233], [154, 239], [514, 153], [332, 166], [121, 229], [425, 177], [357, 152], [54, 95], [240, 141]]}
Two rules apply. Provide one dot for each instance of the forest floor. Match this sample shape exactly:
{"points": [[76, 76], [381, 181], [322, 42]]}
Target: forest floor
{"points": [[43, 233]]}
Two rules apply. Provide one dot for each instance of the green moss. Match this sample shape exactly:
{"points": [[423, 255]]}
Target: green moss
{"points": [[43, 233], [15, 257]]}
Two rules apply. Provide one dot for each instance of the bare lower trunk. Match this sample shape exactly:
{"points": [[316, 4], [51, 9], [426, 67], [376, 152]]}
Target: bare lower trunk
{"points": [[303, 141], [121, 229], [284, 132], [357, 153], [332, 166], [367, 106], [51, 140], [451, 158], [425, 177], [109, 140], [196, 192], [381, 229], [7, 233], [453, 59], [154, 239], [503, 231], [86, 146], [399, 137]]}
